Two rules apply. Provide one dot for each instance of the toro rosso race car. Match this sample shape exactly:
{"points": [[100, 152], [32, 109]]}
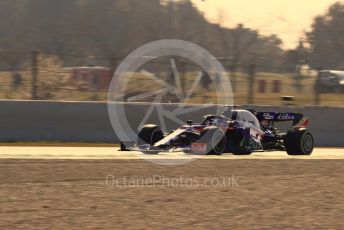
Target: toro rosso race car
{"points": [[239, 132]]}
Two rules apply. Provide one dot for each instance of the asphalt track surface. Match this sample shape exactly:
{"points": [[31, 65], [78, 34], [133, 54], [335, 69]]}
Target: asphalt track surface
{"points": [[113, 153]]}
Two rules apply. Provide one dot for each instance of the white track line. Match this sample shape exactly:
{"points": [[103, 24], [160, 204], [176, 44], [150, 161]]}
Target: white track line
{"points": [[114, 153]]}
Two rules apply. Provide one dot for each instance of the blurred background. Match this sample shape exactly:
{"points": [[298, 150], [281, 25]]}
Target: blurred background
{"points": [[69, 49]]}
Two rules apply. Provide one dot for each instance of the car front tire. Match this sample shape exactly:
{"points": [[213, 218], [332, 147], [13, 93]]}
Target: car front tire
{"points": [[215, 140], [150, 134]]}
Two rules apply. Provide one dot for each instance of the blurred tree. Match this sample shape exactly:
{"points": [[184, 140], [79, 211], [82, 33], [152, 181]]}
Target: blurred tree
{"points": [[50, 26], [108, 30], [14, 50], [325, 39]]}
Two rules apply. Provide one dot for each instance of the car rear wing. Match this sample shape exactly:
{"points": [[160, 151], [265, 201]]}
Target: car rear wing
{"points": [[297, 118]]}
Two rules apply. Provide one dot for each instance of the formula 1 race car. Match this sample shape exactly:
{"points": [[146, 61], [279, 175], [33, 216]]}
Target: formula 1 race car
{"points": [[240, 132]]}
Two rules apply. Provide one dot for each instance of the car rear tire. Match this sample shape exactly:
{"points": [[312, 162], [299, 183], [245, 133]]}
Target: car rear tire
{"points": [[150, 134], [299, 142], [215, 140]]}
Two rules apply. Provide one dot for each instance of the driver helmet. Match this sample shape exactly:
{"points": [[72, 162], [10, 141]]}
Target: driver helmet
{"points": [[266, 123]]}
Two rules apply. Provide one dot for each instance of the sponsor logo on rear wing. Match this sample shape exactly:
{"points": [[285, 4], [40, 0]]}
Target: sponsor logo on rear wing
{"points": [[280, 117]]}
